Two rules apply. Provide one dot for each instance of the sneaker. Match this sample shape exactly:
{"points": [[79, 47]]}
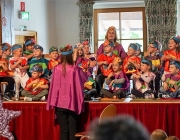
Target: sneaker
{"points": [[28, 99], [43, 98], [166, 96], [16, 97], [7, 97]]}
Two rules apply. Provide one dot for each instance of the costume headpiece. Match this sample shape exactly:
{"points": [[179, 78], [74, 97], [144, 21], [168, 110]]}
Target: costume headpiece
{"points": [[146, 62], [52, 49], [29, 42], [134, 46], [15, 47], [38, 47], [66, 52], [106, 42], [176, 63]]}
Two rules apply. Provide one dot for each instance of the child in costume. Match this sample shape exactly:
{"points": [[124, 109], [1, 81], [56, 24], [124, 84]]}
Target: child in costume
{"points": [[171, 84], [19, 65], [4, 77], [28, 47], [117, 81], [155, 57], [53, 53], [105, 63], [66, 94], [36, 88], [173, 53], [142, 81], [38, 59], [132, 62]]}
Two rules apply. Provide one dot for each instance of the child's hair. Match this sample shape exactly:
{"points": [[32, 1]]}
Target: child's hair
{"points": [[158, 134], [172, 138], [28, 42], [66, 59], [80, 48], [5, 46], [177, 41]]}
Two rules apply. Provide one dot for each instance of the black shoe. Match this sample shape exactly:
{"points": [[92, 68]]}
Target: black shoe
{"points": [[7, 97]]}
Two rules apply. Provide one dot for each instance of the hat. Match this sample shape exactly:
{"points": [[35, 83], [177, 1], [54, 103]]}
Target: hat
{"points": [[6, 46], [138, 46], [107, 42], [134, 46], [38, 47], [52, 49], [85, 42], [29, 42], [176, 63], [117, 60], [66, 52], [78, 45], [15, 47], [176, 39], [36, 68], [146, 62]]}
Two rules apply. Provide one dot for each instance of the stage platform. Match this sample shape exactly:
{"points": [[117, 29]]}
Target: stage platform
{"points": [[36, 123]]}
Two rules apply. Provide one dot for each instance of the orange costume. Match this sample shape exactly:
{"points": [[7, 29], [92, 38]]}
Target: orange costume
{"points": [[109, 59], [131, 68], [53, 63], [172, 54], [42, 81]]}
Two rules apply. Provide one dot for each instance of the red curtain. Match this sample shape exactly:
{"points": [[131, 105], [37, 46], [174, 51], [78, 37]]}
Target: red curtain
{"points": [[36, 123]]}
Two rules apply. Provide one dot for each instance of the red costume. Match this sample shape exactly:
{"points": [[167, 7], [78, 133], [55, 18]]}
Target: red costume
{"points": [[109, 59], [53, 63], [131, 68], [2, 71], [42, 81], [172, 54]]}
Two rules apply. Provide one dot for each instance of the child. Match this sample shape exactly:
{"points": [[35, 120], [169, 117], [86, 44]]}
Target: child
{"points": [[171, 84], [66, 94], [19, 65], [28, 47], [6, 50], [172, 138], [132, 62], [173, 53], [4, 76], [158, 134], [53, 53], [142, 80], [38, 59], [155, 58], [105, 63], [138, 52], [36, 87], [119, 83]]}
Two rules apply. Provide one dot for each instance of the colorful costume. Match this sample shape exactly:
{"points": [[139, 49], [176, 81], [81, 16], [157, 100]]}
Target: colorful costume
{"points": [[2, 71], [131, 68], [53, 63]]}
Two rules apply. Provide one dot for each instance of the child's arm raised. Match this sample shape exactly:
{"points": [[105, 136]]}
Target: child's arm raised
{"points": [[28, 56], [4, 65], [75, 54]]}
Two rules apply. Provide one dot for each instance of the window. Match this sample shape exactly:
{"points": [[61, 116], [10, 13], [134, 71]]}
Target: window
{"points": [[130, 25]]}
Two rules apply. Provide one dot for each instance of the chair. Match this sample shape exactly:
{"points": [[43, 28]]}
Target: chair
{"points": [[109, 112]]}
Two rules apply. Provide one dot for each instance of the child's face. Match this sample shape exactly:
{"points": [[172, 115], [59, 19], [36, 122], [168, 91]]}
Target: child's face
{"points": [[172, 44], [36, 75], [131, 52], [116, 66], [107, 49], [37, 53], [152, 48], [30, 48], [145, 67], [86, 49], [80, 52], [18, 52], [7, 52], [173, 69], [54, 55]]}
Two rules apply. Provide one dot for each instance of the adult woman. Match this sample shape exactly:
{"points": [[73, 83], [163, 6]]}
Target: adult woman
{"points": [[112, 37]]}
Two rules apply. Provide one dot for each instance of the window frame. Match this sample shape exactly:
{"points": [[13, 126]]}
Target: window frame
{"points": [[110, 10]]}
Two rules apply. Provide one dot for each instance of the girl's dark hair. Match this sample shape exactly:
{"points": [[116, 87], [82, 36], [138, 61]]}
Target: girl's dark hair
{"points": [[66, 59], [30, 40], [178, 48]]}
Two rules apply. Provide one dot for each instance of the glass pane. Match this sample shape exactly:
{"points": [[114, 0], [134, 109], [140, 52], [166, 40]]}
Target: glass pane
{"points": [[125, 43], [131, 25], [105, 20], [99, 43]]}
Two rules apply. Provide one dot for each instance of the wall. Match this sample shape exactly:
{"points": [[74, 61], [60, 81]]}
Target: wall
{"points": [[42, 20], [67, 21]]}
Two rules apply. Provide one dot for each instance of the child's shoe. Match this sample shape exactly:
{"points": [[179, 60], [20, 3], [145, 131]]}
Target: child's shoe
{"points": [[43, 98], [28, 99]]}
